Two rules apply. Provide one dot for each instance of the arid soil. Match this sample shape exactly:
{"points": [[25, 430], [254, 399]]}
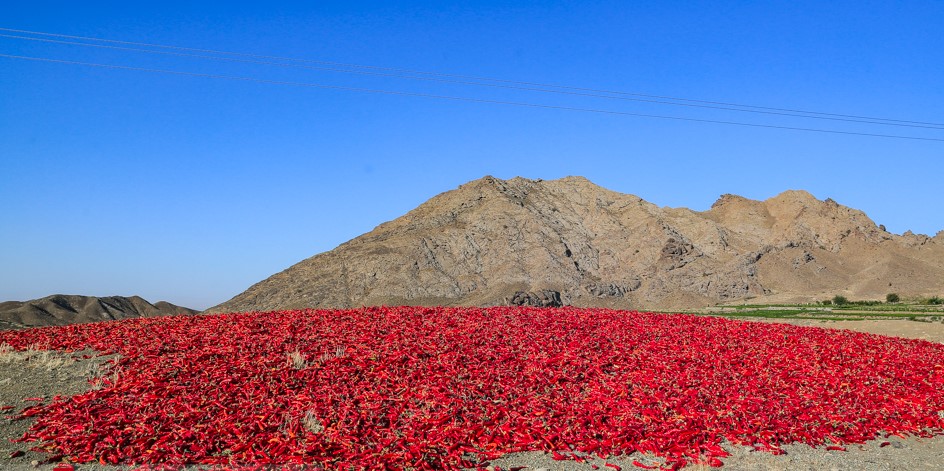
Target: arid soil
{"points": [[494, 242], [900, 454], [25, 375], [930, 331], [30, 375]]}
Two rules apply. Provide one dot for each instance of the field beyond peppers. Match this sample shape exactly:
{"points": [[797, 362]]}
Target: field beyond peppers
{"points": [[435, 388]]}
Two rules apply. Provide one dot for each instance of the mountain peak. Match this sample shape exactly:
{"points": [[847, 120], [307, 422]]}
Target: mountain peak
{"points": [[494, 241], [728, 199], [795, 195], [61, 309]]}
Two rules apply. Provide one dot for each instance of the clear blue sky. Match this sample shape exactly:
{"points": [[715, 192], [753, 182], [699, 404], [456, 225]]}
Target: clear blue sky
{"points": [[190, 189]]}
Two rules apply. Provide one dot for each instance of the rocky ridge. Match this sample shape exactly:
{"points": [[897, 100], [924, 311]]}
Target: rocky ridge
{"points": [[569, 241], [60, 309]]}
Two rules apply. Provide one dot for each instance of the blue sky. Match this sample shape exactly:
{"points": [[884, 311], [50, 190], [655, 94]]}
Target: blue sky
{"points": [[189, 189]]}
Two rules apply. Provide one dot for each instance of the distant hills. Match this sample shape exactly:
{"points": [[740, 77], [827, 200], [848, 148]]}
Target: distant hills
{"points": [[569, 241], [61, 309]]}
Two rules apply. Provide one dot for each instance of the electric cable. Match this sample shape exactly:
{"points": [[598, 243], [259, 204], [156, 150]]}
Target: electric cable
{"points": [[461, 82], [455, 98], [473, 77]]}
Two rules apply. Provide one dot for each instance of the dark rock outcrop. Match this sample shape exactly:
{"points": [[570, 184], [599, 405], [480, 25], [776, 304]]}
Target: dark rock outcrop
{"points": [[543, 298]]}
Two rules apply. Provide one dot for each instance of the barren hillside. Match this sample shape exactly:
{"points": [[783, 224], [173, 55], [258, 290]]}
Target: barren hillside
{"points": [[523, 241], [61, 309]]}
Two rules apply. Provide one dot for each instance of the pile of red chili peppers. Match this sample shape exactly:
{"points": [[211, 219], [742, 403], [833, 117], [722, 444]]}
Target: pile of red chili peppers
{"points": [[434, 388]]}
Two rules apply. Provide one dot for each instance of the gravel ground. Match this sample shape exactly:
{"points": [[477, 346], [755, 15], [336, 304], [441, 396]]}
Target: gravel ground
{"points": [[899, 454], [37, 375], [33, 374]]}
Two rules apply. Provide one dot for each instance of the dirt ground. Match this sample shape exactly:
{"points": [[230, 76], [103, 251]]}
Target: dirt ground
{"points": [[930, 331], [43, 375], [32, 377], [900, 454]]}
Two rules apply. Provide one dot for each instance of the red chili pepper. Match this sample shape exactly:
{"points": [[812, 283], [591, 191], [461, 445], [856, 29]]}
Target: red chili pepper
{"points": [[428, 387]]}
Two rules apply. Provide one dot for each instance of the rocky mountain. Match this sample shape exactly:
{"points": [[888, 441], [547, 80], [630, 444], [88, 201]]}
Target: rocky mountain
{"points": [[569, 241], [62, 309]]}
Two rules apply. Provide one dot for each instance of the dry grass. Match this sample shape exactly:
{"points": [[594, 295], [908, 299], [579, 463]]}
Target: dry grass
{"points": [[52, 360], [32, 357], [339, 352], [311, 423], [100, 382], [296, 360]]}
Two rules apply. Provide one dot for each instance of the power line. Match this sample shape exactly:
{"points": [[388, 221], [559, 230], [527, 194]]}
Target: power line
{"points": [[461, 82], [455, 98], [811, 114]]}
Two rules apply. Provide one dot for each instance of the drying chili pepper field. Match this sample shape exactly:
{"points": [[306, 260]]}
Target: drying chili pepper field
{"points": [[447, 388]]}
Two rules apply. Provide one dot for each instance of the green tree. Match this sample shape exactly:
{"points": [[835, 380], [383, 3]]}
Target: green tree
{"points": [[840, 300], [892, 298]]}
